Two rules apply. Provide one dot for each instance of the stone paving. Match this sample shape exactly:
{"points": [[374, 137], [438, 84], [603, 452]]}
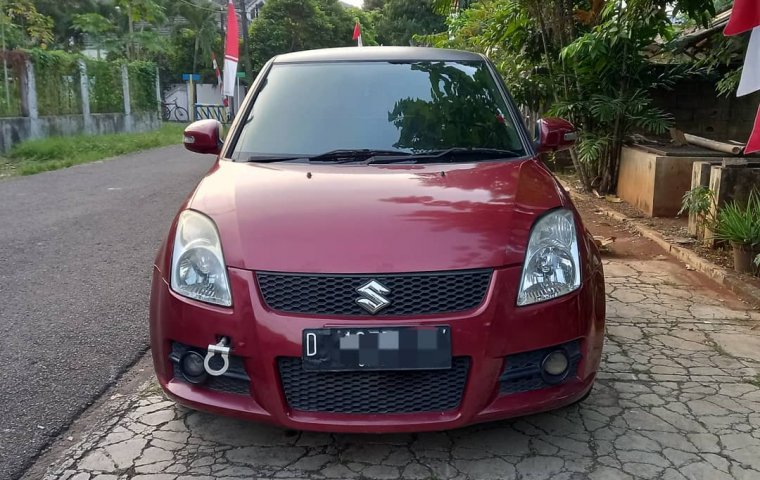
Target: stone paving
{"points": [[678, 397]]}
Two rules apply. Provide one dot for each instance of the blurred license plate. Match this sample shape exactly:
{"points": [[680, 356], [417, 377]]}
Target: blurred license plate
{"points": [[396, 348]]}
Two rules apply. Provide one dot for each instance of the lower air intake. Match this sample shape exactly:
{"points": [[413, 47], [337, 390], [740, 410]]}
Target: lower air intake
{"points": [[373, 392]]}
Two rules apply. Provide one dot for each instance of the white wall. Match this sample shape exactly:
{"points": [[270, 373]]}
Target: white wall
{"points": [[206, 93]]}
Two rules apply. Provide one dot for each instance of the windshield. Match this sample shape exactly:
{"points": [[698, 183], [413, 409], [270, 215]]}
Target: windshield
{"points": [[312, 108]]}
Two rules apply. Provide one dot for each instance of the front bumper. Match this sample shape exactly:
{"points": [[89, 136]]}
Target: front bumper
{"points": [[486, 337]]}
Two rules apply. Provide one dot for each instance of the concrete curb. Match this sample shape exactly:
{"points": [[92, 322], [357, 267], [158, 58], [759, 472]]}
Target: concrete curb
{"points": [[727, 278]]}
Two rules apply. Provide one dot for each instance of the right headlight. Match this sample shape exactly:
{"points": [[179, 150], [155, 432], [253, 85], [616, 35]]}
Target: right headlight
{"points": [[198, 269], [552, 263]]}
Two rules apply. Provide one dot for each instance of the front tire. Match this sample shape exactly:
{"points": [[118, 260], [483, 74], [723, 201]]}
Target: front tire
{"points": [[180, 114]]}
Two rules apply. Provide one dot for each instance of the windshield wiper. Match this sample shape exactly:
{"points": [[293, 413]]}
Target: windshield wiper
{"points": [[336, 156], [435, 156], [353, 155], [272, 158]]}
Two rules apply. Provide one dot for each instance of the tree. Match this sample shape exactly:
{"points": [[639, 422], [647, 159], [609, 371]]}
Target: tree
{"points": [[402, 20], [373, 5], [23, 26], [291, 25], [95, 25], [368, 21], [202, 26], [589, 62], [148, 11], [63, 12]]}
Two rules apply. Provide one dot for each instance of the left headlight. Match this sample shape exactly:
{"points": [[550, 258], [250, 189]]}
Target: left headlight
{"points": [[198, 268], [552, 263]]}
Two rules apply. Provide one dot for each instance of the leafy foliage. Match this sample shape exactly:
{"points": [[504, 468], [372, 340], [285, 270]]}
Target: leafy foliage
{"points": [[402, 20], [57, 77], [587, 61], [24, 26], [697, 201], [106, 93], [291, 25], [142, 86], [740, 223]]}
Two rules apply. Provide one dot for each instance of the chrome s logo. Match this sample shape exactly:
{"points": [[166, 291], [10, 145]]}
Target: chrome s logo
{"points": [[372, 298]]}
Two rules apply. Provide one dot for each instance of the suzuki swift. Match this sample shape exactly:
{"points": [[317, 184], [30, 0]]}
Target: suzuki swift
{"points": [[377, 248]]}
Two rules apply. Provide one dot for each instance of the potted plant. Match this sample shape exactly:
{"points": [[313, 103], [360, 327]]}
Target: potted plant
{"points": [[740, 226]]}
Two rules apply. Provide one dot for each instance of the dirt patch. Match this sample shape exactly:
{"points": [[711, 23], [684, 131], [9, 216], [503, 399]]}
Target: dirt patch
{"points": [[629, 244], [675, 230]]}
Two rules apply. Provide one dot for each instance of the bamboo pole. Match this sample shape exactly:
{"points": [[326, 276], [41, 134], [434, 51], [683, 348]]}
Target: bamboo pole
{"points": [[714, 145]]}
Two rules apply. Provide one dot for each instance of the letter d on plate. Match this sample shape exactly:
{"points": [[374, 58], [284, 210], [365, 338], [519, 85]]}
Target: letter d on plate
{"points": [[311, 344]]}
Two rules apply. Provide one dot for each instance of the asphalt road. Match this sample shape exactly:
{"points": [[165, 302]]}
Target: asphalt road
{"points": [[76, 249]]}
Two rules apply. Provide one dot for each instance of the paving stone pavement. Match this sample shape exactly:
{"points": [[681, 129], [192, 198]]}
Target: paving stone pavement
{"points": [[678, 397]]}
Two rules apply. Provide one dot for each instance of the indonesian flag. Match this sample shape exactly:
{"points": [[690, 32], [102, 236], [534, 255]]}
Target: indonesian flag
{"points": [[745, 16], [216, 69], [231, 51], [358, 34]]}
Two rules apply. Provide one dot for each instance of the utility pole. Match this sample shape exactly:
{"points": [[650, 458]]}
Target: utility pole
{"points": [[5, 59], [246, 56]]}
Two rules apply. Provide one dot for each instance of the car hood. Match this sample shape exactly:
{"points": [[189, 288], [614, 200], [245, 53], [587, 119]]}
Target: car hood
{"points": [[291, 217]]}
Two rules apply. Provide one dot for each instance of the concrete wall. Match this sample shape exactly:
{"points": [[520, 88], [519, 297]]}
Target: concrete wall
{"points": [[636, 178], [654, 184], [698, 110], [32, 126], [16, 129]]}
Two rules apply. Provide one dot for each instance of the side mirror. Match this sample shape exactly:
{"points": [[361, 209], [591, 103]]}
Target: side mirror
{"points": [[555, 134], [203, 137]]}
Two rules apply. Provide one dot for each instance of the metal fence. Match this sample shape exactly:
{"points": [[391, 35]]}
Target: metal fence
{"points": [[215, 112]]}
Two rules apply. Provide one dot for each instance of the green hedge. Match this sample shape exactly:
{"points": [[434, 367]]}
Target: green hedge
{"points": [[57, 76], [58, 80], [142, 86], [10, 102], [106, 92]]}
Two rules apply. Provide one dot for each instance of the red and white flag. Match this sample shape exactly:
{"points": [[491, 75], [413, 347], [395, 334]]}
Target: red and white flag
{"points": [[358, 34], [216, 69], [745, 16], [231, 53]]}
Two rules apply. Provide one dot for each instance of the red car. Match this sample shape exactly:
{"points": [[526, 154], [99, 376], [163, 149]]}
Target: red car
{"points": [[378, 248]]}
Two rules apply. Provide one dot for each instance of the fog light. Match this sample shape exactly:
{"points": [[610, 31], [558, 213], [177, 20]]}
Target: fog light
{"points": [[554, 366], [191, 366]]}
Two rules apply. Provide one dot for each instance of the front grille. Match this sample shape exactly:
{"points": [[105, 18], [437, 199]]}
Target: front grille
{"points": [[373, 392], [410, 294], [235, 379], [522, 372]]}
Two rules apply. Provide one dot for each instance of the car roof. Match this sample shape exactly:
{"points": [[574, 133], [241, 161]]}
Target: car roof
{"points": [[375, 54]]}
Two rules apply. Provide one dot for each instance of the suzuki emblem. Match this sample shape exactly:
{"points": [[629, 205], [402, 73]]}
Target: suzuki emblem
{"points": [[372, 298]]}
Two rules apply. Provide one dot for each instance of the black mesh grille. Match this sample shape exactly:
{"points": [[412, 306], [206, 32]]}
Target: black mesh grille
{"points": [[410, 294], [522, 372], [234, 380], [373, 392]]}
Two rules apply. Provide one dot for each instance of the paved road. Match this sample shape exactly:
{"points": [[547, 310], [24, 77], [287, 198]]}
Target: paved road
{"points": [[678, 398], [76, 247]]}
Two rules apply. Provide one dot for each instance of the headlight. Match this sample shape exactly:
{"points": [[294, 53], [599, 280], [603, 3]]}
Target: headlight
{"points": [[552, 263], [198, 269]]}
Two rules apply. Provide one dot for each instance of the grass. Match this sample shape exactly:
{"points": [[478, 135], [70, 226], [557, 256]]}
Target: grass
{"points": [[53, 153]]}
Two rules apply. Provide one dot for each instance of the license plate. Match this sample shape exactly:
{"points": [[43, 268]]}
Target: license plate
{"points": [[393, 348]]}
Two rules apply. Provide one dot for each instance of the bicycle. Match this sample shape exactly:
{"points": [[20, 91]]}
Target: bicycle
{"points": [[172, 109]]}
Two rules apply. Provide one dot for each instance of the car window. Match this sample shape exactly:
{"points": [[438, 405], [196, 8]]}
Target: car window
{"points": [[312, 108]]}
